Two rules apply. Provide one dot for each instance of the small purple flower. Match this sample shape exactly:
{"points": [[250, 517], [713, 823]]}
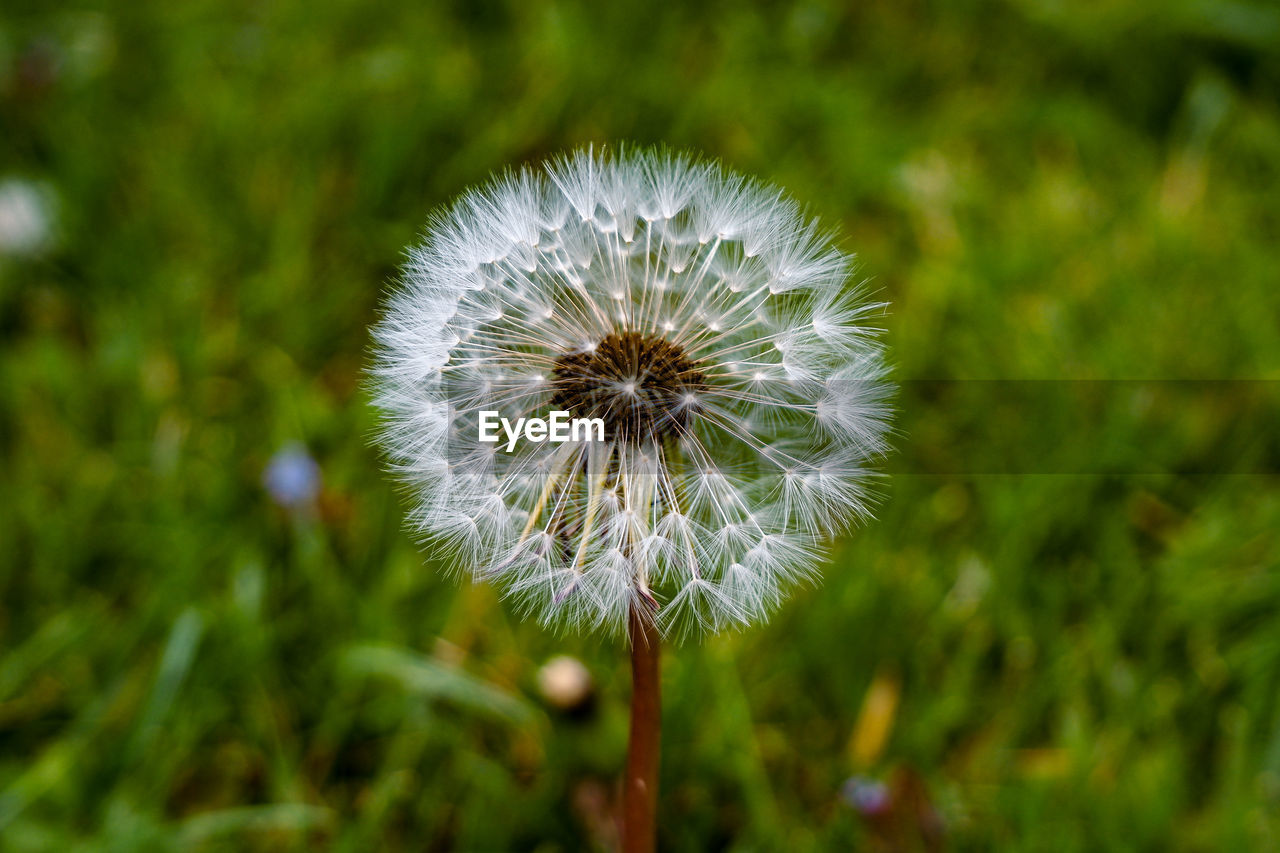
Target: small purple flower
{"points": [[292, 477], [867, 796]]}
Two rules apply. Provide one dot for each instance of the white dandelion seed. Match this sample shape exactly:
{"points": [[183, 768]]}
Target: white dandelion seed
{"points": [[704, 319]]}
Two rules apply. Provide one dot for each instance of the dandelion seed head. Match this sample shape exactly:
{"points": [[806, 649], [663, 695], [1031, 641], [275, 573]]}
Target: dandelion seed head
{"points": [[712, 328]]}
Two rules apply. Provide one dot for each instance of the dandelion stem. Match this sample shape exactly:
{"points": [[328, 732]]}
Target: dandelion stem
{"points": [[640, 788]]}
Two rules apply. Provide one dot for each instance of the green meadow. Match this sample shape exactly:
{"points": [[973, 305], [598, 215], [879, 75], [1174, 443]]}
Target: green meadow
{"points": [[1061, 631]]}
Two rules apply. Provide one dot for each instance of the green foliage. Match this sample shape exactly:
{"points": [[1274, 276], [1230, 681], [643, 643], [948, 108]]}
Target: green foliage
{"points": [[1071, 589]]}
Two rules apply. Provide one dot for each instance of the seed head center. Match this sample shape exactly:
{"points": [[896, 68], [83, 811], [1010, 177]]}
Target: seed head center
{"points": [[643, 386]]}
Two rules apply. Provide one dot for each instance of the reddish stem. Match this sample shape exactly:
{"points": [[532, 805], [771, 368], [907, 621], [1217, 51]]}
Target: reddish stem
{"points": [[640, 788]]}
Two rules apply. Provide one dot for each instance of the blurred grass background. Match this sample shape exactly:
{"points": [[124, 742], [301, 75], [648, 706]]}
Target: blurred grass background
{"points": [[1043, 190]]}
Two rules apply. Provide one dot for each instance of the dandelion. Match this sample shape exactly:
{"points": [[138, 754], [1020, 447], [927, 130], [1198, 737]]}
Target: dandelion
{"points": [[696, 313], [705, 322]]}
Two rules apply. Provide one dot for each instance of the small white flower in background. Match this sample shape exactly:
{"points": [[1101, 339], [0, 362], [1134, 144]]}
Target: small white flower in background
{"points": [[26, 217], [565, 682], [704, 319]]}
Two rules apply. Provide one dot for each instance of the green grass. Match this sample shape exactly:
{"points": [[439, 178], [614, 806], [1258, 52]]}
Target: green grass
{"points": [[1087, 659]]}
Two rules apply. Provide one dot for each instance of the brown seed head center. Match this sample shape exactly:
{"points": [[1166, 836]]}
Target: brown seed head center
{"points": [[641, 385]]}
